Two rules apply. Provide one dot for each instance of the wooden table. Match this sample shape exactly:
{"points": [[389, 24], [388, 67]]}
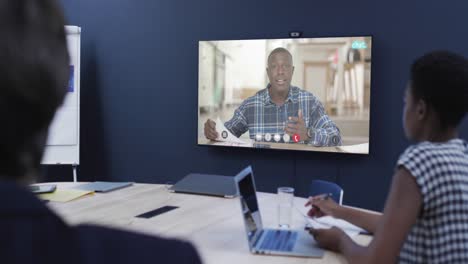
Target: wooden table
{"points": [[214, 225]]}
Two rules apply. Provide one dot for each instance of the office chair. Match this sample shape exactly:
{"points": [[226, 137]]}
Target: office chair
{"points": [[318, 187]]}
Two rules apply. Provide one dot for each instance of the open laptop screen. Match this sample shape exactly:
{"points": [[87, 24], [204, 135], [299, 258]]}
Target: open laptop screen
{"points": [[250, 212], [247, 191]]}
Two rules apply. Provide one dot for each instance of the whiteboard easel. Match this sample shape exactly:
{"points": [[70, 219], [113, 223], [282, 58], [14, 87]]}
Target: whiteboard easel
{"points": [[63, 143]]}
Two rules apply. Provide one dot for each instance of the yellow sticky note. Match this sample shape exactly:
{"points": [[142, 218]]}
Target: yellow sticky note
{"points": [[64, 195]]}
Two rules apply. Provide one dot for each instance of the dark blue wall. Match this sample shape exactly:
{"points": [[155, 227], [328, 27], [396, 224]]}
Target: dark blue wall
{"points": [[139, 85]]}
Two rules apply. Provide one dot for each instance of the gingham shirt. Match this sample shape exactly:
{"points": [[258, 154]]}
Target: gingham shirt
{"points": [[440, 234], [260, 115]]}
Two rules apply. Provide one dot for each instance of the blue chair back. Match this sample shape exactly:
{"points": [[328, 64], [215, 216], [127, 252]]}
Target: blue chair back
{"points": [[318, 187]]}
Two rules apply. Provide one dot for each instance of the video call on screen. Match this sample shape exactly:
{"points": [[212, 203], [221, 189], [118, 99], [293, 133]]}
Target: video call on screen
{"points": [[329, 80]]}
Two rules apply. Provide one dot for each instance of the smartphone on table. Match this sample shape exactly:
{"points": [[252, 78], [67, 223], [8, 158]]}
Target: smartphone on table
{"points": [[46, 188]]}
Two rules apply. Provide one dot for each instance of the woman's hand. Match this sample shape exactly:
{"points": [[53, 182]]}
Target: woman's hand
{"points": [[322, 205], [328, 238]]}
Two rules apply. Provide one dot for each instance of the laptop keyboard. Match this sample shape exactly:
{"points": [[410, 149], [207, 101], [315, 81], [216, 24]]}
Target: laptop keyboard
{"points": [[278, 240]]}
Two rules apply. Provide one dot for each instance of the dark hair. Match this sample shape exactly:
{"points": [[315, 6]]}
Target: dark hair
{"points": [[34, 73], [279, 50], [440, 78]]}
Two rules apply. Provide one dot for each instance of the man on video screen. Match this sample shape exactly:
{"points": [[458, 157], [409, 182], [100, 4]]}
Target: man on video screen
{"points": [[281, 111]]}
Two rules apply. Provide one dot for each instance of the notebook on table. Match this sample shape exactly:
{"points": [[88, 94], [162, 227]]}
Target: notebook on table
{"points": [[99, 186], [206, 184]]}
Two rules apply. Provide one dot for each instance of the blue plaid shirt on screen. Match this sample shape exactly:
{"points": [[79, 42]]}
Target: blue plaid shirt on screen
{"points": [[260, 115]]}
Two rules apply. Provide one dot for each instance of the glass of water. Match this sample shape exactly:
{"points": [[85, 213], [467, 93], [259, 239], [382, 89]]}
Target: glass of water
{"points": [[285, 205]]}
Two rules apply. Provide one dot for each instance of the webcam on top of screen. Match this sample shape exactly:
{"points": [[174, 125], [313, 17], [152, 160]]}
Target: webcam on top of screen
{"points": [[295, 34]]}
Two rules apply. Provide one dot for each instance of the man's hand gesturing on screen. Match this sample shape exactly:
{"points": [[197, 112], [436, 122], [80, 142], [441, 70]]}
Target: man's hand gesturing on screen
{"points": [[210, 129], [296, 125]]}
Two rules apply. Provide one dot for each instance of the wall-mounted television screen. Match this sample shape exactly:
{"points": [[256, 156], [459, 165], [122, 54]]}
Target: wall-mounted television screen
{"points": [[308, 94]]}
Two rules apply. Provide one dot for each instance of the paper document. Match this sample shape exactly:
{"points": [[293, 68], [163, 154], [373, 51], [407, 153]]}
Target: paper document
{"points": [[64, 195], [234, 144], [63, 130], [358, 148], [224, 135], [326, 222], [340, 223]]}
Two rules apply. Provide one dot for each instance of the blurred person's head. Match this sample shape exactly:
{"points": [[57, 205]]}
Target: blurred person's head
{"points": [[437, 94], [280, 69], [34, 71]]}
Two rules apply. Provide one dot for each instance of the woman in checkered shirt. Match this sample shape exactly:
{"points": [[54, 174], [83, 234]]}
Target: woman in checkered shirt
{"points": [[425, 219]]}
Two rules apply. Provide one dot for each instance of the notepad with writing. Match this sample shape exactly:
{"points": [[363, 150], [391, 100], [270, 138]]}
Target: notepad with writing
{"points": [[100, 186], [358, 148]]}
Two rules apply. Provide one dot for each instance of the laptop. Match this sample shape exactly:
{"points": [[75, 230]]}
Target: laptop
{"points": [[206, 184], [99, 186], [261, 240]]}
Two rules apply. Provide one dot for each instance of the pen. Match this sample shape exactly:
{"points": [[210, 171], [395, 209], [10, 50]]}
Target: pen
{"points": [[365, 233], [326, 196], [323, 197]]}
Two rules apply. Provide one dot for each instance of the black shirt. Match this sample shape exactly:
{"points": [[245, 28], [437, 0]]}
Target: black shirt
{"points": [[31, 233]]}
